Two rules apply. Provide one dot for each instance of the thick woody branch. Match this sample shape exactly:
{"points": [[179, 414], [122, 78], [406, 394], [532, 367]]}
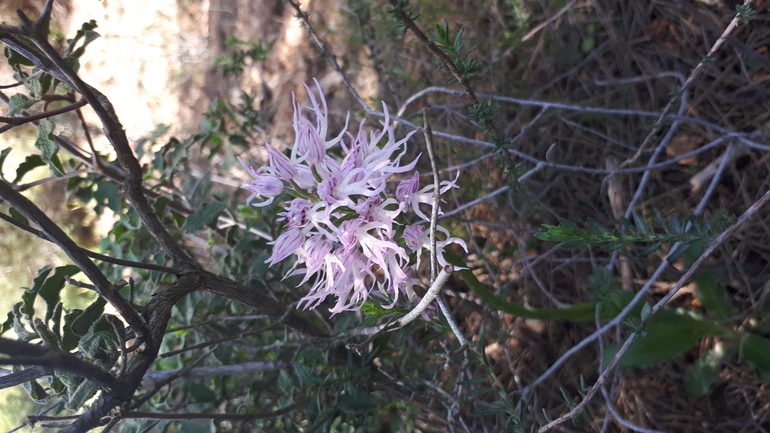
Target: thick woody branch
{"points": [[23, 353], [158, 312], [56, 235]]}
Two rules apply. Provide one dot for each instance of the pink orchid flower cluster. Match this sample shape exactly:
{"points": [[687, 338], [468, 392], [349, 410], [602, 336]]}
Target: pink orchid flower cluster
{"points": [[342, 219]]}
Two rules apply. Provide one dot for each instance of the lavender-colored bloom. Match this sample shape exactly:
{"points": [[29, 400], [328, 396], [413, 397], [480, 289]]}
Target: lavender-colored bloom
{"points": [[417, 239], [407, 187], [264, 185], [342, 225], [280, 164], [287, 244]]}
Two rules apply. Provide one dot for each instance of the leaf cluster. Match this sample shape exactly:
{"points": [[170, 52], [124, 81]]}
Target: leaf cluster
{"points": [[687, 232], [467, 68]]}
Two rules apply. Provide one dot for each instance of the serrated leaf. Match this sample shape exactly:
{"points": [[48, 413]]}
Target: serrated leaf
{"points": [[18, 103], [48, 147], [83, 322], [81, 394], [35, 391], [101, 343], [8, 324], [51, 289], [57, 385], [69, 338], [205, 215], [18, 327], [45, 334], [714, 298], [56, 317]]}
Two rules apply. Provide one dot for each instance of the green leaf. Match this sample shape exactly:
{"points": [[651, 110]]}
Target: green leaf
{"points": [[81, 394], [30, 162], [70, 338], [669, 334], [45, 334], [714, 298], [197, 426], [756, 350], [48, 147], [481, 391], [51, 289], [596, 227], [18, 327], [676, 255], [35, 391], [640, 225], [646, 312], [700, 375], [83, 322], [18, 103], [205, 215], [3, 155], [17, 216], [15, 58], [584, 312], [651, 249]]}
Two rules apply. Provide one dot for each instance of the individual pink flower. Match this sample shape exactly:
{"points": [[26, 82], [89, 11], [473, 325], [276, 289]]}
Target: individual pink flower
{"points": [[264, 185], [280, 164], [287, 244]]}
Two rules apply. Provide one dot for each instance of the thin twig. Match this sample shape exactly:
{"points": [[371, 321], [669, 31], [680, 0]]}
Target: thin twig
{"points": [[433, 223], [433, 291], [92, 254], [599, 382], [13, 122], [542, 25], [690, 79], [303, 16]]}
